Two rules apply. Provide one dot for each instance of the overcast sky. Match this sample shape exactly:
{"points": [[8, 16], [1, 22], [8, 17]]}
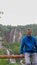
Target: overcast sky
{"points": [[18, 12]]}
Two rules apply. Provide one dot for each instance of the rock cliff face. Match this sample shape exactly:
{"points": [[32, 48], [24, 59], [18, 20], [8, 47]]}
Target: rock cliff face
{"points": [[15, 35]]}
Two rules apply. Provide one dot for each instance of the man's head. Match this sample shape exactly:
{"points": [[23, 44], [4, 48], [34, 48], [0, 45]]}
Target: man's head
{"points": [[28, 32]]}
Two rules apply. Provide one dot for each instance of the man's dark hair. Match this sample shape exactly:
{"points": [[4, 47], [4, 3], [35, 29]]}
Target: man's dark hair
{"points": [[28, 29]]}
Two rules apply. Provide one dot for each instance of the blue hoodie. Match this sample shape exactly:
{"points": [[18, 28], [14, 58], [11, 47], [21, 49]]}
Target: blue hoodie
{"points": [[28, 44]]}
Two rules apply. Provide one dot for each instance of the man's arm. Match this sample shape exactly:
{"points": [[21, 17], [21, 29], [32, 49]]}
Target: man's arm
{"points": [[35, 44], [22, 46]]}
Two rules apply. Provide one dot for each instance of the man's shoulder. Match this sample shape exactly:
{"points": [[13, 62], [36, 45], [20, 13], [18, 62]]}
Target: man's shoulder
{"points": [[24, 37], [33, 37]]}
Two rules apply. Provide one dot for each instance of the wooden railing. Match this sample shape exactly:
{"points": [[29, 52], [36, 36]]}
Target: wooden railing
{"points": [[11, 56]]}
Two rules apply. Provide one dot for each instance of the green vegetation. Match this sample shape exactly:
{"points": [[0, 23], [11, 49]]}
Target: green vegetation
{"points": [[13, 47], [4, 29], [5, 61], [2, 52]]}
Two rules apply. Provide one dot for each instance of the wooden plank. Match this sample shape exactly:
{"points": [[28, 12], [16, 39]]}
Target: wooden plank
{"points": [[11, 56]]}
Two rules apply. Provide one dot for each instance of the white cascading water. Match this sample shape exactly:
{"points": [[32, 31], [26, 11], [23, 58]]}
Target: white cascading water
{"points": [[11, 60], [20, 36], [14, 36]]}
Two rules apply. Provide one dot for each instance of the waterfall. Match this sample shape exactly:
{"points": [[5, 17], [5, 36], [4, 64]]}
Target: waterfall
{"points": [[1, 42], [14, 36], [19, 36], [11, 60], [21, 62]]}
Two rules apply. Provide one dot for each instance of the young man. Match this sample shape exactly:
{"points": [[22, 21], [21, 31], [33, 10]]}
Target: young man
{"points": [[29, 47]]}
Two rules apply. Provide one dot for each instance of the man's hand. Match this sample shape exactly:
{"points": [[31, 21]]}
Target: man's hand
{"points": [[21, 55]]}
